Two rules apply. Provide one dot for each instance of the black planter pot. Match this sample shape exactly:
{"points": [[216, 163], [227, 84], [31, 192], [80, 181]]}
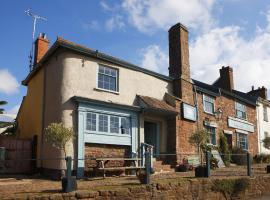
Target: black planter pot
{"points": [[182, 168], [201, 171], [268, 169], [69, 184]]}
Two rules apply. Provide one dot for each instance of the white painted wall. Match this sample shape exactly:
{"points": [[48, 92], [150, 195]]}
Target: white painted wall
{"points": [[263, 126]]}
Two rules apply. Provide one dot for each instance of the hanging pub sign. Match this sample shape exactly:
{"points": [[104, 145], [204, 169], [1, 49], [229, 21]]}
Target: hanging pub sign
{"points": [[189, 112]]}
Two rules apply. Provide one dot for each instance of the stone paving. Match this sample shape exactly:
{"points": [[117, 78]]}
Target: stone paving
{"points": [[21, 185]]}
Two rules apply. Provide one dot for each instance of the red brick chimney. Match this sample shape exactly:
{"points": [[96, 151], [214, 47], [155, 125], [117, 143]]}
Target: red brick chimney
{"points": [[225, 80], [41, 47], [260, 92], [179, 67], [179, 52]]}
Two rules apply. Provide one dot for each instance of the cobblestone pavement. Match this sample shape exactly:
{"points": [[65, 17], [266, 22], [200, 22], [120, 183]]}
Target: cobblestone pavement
{"points": [[20, 185]]}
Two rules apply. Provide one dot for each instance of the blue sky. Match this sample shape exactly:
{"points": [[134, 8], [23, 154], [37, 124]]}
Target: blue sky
{"points": [[230, 32]]}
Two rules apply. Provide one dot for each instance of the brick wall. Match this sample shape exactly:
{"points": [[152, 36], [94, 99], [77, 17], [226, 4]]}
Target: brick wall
{"points": [[227, 105], [105, 151]]}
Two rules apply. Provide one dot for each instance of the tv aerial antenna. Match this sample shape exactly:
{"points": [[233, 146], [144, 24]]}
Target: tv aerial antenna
{"points": [[35, 18]]}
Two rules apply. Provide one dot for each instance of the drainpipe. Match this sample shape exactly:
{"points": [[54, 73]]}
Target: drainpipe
{"points": [[259, 131], [196, 105]]}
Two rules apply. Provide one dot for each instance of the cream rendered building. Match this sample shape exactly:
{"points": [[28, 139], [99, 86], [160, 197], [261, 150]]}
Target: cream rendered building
{"points": [[112, 105], [263, 117]]}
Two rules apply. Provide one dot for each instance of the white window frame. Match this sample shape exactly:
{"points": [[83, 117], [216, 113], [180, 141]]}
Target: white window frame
{"points": [[237, 102], [204, 107], [265, 113], [117, 79]]}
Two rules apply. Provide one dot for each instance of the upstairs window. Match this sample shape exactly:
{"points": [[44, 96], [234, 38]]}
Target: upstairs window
{"points": [[212, 134], [240, 110], [208, 104], [107, 78], [265, 115]]}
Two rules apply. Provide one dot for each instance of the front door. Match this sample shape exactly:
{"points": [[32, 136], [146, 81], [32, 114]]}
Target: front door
{"points": [[151, 135], [229, 140]]}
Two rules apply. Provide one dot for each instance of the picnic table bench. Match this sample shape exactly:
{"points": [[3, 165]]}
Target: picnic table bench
{"points": [[101, 162], [193, 160]]}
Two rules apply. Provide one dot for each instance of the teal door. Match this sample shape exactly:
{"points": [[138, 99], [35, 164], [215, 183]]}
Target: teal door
{"points": [[151, 135]]}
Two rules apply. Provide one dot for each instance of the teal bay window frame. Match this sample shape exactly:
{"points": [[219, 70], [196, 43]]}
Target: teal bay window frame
{"points": [[94, 136]]}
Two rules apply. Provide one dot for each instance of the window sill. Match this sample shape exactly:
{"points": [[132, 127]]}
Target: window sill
{"points": [[244, 119], [104, 90], [209, 113]]}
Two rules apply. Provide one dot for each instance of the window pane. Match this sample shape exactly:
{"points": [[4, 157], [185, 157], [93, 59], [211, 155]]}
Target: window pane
{"points": [[91, 121], [125, 125], [114, 124], [103, 123]]}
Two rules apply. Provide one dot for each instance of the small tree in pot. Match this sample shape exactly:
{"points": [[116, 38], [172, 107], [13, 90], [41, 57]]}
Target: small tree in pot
{"points": [[58, 136], [199, 140]]}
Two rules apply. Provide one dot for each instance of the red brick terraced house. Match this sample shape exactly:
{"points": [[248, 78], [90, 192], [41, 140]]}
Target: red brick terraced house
{"points": [[114, 106]]}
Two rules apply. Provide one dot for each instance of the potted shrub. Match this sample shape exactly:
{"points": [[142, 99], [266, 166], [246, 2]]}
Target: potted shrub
{"points": [[199, 140], [58, 136], [224, 149]]}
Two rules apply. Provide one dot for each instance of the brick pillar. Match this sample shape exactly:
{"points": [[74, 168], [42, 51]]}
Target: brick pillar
{"points": [[179, 67]]}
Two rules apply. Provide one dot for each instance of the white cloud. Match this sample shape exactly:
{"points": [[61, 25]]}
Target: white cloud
{"points": [[153, 58], [116, 22], [149, 15], [250, 59], [8, 83], [94, 25]]}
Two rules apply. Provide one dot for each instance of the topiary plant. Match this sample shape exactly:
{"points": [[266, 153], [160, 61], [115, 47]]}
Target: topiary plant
{"points": [[266, 142], [199, 140], [57, 136]]}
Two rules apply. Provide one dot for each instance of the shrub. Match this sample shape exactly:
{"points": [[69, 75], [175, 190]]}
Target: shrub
{"points": [[266, 142], [261, 158], [239, 156], [231, 186], [224, 149]]}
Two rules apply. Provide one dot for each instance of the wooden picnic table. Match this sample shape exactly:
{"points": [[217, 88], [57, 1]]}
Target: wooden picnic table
{"points": [[101, 162]]}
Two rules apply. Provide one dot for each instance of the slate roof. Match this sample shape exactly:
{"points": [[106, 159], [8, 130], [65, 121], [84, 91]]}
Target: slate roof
{"points": [[155, 104], [215, 91], [62, 43]]}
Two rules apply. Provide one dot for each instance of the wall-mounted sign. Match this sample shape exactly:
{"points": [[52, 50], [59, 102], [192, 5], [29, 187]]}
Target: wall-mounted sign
{"points": [[240, 124], [189, 112]]}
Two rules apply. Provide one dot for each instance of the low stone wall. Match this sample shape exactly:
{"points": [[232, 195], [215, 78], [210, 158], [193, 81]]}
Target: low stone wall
{"points": [[177, 188]]}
